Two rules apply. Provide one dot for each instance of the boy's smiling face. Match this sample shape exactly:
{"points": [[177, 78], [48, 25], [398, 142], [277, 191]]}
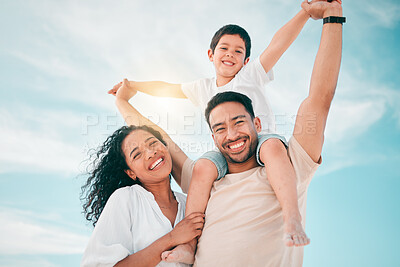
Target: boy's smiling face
{"points": [[228, 57]]}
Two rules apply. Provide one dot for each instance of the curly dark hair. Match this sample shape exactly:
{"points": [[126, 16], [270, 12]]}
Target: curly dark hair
{"points": [[107, 172]]}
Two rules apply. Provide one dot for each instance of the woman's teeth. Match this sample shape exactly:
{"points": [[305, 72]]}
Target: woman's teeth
{"points": [[156, 163]]}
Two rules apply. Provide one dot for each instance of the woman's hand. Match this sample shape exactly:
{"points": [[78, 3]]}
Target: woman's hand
{"points": [[123, 90], [114, 90], [125, 86], [188, 229]]}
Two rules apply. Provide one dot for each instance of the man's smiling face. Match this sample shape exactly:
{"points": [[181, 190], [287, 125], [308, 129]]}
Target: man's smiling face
{"points": [[234, 131]]}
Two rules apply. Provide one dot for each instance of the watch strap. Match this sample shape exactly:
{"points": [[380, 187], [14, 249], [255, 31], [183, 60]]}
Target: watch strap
{"points": [[333, 19]]}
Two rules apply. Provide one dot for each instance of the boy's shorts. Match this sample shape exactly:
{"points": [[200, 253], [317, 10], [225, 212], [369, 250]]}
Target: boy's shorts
{"points": [[220, 162]]}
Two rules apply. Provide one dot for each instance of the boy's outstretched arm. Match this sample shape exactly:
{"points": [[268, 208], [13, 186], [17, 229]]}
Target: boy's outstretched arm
{"points": [[154, 88], [284, 37], [133, 117]]}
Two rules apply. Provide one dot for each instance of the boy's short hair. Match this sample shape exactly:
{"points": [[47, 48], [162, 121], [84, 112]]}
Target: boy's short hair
{"points": [[229, 96], [232, 29]]}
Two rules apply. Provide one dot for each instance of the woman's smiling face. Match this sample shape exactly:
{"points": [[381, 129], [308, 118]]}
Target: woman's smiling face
{"points": [[147, 157]]}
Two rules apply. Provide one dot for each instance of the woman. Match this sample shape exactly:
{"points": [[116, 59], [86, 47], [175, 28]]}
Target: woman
{"points": [[128, 196]]}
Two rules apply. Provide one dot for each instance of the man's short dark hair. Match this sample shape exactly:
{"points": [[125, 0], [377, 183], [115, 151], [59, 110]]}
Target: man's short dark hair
{"points": [[229, 96], [232, 29]]}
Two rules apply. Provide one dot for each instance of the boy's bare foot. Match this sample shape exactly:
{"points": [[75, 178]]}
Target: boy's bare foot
{"points": [[182, 253], [294, 233]]}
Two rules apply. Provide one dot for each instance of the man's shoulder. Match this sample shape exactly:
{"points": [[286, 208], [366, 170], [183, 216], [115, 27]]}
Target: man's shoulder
{"points": [[302, 163]]}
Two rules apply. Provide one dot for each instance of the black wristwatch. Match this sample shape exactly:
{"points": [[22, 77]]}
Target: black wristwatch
{"points": [[333, 19]]}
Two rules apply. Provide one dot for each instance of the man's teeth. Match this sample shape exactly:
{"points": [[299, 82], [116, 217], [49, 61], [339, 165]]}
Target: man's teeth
{"points": [[228, 63], [155, 163], [237, 145]]}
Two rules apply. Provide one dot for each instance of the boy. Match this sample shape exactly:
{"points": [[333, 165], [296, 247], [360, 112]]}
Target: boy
{"points": [[230, 51]]}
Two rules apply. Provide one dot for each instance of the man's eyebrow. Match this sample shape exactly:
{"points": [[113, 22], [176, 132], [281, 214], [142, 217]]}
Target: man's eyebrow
{"points": [[238, 117], [233, 119], [136, 148], [151, 137], [216, 125]]}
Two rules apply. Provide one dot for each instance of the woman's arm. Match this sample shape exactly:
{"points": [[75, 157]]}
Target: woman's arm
{"points": [[133, 117], [186, 230], [111, 241]]}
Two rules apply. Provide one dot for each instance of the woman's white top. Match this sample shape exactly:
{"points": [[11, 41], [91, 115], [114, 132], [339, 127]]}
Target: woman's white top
{"points": [[131, 221]]}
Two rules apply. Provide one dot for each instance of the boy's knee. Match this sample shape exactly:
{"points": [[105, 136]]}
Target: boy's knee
{"points": [[272, 146], [205, 167], [274, 143]]}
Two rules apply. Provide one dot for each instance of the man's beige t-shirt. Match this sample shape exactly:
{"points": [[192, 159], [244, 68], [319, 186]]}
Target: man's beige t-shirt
{"points": [[244, 224]]}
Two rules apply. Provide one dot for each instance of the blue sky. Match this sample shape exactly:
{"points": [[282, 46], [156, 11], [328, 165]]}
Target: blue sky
{"points": [[58, 59]]}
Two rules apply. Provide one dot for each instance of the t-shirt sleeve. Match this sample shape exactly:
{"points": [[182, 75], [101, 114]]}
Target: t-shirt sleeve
{"points": [[186, 175], [111, 240], [303, 164], [254, 72], [191, 91]]}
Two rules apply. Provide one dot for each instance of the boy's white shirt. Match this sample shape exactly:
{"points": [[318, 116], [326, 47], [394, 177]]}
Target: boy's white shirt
{"points": [[250, 81]]}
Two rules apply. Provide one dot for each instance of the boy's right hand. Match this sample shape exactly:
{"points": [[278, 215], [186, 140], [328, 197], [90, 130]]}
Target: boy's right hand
{"points": [[123, 90], [188, 229]]}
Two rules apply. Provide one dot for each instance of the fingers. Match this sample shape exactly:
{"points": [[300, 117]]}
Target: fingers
{"points": [[199, 225], [165, 255], [198, 233], [115, 88], [195, 214], [112, 92], [197, 219], [125, 82], [306, 6]]}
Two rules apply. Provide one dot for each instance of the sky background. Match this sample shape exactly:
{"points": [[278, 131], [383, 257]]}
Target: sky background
{"points": [[59, 58]]}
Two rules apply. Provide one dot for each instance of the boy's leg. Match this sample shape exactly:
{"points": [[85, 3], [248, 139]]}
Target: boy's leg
{"points": [[281, 175], [210, 167]]}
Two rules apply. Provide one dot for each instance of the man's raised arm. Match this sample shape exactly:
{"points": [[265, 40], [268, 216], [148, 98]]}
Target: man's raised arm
{"points": [[312, 114]]}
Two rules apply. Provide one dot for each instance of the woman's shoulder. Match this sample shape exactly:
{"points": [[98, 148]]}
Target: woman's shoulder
{"points": [[128, 192]]}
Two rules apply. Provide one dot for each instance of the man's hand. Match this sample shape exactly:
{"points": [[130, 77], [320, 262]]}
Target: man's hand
{"points": [[123, 90], [319, 9]]}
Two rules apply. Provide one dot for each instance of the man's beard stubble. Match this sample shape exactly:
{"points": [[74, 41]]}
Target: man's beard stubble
{"points": [[251, 151]]}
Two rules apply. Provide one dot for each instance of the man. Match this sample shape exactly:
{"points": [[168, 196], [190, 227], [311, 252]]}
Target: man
{"points": [[244, 223]]}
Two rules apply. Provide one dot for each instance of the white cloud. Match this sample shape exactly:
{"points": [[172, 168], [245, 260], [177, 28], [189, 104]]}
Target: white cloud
{"points": [[57, 65], [34, 140], [350, 119], [25, 235], [385, 13], [393, 99]]}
